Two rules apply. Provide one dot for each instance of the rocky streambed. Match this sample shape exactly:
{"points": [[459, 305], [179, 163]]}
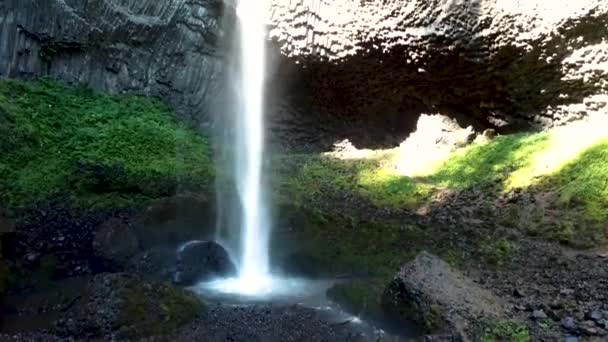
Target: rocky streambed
{"points": [[128, 282]]}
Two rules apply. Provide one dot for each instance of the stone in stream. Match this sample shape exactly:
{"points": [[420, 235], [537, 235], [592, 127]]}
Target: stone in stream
{"points": [[200, 261], [568, 324], [538, 315], [436, 296], [588, 328], [594, 315]]}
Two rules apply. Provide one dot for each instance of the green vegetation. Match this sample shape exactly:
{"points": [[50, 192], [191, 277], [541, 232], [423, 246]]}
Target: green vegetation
{"points": [[312, 176], [584, 181], [507, 331], [488, 162], [497, 252], [339, 244], [433, 318], [157, 310], [93, 149], [573, 186]]}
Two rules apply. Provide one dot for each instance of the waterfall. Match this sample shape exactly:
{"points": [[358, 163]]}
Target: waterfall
{"points": [[241, 149], [250, 143], [243, 152]]}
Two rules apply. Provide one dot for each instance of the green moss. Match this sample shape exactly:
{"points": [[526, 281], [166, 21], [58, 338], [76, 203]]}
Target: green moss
{"points": [[507, 331], [341, 244], [159, 313], [433, 319], [95, 149], [361, 248]]}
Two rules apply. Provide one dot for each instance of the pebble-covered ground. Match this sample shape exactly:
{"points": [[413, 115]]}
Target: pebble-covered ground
{"points": [[257, 323]]}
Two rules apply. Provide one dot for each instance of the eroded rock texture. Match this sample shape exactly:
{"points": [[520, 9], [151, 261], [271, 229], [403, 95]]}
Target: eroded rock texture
{"points": [[163, 48], [503, 64]]}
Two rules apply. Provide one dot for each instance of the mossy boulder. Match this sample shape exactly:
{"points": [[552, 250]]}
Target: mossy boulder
{"points": [[123, 306], [434, 295]]}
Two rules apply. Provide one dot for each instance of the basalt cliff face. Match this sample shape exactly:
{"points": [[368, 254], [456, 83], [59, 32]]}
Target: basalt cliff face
{"points": [[503, 64], [362, 70], [170, 48]]}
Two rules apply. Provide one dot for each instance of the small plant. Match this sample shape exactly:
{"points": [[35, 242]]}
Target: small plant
{"points": [[507, 331], [498, 252]]}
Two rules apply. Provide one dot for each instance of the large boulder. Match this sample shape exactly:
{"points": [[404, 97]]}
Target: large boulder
{"points": [[439, 298], [169, 49], [121, 306], [370, 68], [200, 261]]}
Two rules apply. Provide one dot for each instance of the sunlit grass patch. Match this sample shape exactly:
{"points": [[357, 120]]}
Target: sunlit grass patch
{"points": [[584, 180], [565, 168], [564, 145], [492, 161]]}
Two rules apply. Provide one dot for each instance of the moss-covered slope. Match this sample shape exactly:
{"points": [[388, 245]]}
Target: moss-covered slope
{"points": [[93, 149]]}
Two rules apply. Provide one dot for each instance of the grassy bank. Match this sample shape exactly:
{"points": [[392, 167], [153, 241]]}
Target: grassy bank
{"points": [[561, 174], [95, 149]]}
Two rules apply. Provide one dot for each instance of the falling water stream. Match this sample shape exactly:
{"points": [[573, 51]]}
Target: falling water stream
{"points": [[254, 278], [255, 281]]}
